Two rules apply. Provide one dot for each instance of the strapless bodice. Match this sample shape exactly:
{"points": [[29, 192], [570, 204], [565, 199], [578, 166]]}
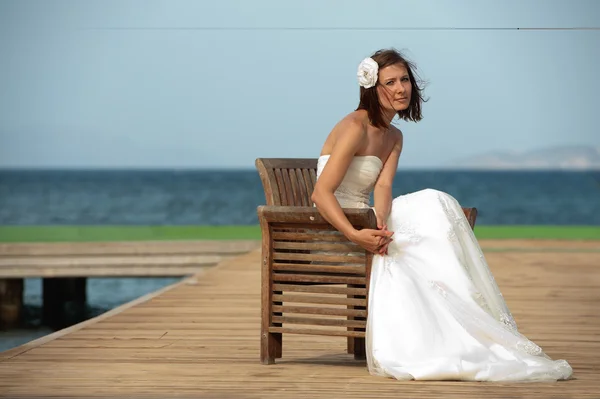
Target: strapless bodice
{"points": [[355, 189]]}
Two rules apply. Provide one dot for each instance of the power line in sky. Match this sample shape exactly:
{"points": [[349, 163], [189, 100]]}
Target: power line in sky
{"points": [[260, 28]]}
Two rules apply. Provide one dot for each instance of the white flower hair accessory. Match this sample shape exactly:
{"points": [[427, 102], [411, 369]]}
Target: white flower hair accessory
{"points": [[367, 72]]}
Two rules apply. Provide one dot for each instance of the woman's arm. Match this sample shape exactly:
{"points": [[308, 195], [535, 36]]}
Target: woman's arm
{"points": [[350, 139], [382, 193], [352, 135]]}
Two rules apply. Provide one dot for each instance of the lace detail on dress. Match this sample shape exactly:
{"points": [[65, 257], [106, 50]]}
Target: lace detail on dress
{"points": [[523, 344], [480, 300], [508, 321], [409, 231], [387, 265], [457, 219], [453, 222], [529, 348], [562, 368], [451, 234], [436, 286]]}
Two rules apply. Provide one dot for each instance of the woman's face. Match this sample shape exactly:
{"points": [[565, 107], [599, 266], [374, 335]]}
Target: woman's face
{"points": [[394, 88]]}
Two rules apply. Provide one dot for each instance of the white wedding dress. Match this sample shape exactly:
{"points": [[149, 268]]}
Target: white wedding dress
{"points": [[435, 310]]}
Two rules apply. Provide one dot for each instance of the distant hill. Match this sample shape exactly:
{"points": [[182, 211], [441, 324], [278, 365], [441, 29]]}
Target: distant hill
{"points": [[566, 157]]}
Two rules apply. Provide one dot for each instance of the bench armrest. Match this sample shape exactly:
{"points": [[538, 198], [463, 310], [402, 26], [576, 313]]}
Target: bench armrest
{"points": [[308, 215]]}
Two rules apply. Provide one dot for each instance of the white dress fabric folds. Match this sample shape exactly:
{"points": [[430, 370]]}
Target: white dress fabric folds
{"points": [[435, 310]]}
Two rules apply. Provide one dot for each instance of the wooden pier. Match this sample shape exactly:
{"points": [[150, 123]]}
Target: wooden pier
{"points": [[117, 259], [200, 338], [65, 267]]}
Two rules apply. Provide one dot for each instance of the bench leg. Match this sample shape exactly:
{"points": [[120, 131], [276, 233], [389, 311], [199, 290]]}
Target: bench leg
{"points": [[279, 345], [355, 346], [350, 340], [271, 347], [360, 352], [278, 336]]}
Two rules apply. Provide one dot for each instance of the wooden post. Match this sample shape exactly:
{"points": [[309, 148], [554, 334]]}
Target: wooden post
{"points": [[11, 302], [271, 343], [64, 301]]}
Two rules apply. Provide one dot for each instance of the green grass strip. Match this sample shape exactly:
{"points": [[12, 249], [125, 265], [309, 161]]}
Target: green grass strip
{"points": [[125, 233], [139, 233], [543, 250]]}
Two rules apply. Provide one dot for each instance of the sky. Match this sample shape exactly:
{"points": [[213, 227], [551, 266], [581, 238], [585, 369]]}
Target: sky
{"points": [[217, 84]]}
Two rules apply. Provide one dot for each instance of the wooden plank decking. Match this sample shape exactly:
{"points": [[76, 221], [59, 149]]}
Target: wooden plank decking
{"points": [[200, 338], [117, 259]]}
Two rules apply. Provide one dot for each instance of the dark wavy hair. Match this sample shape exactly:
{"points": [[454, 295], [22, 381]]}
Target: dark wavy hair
{"points": [[369, 99]]}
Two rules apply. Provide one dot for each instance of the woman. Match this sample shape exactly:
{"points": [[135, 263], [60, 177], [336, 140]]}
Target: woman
{"points": [[435, 310]]}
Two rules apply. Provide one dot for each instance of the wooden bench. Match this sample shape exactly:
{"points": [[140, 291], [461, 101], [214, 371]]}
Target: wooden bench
{"points": [[314, 280]]}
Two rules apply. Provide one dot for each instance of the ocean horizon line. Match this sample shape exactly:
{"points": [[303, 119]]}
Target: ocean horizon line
{"points": [[253, 169]]}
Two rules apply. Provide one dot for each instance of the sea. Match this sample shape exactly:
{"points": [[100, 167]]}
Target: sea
{"points": [[230, 197]]}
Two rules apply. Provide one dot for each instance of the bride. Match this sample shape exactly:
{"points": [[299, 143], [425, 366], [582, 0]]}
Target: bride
{"points": [[435, 310]]}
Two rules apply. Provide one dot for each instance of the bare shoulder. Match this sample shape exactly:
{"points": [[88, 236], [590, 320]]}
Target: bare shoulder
{"points": [[397, 134], [355, 121], [350, 129]]}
